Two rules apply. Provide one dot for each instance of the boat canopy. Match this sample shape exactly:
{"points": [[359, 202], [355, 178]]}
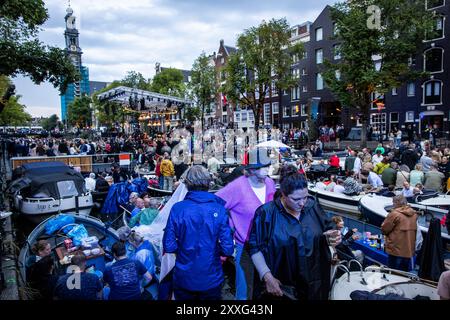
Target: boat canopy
{"points": [[49, 179]]}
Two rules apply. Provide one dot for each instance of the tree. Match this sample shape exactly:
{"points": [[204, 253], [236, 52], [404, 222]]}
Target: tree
{"points": [[21, 52], [354, 79], [192, 114], [108, 112], [50, 123], [203, 84], [136, 80], [13, 113], [79, 112], [261, 65], [169, 81]]}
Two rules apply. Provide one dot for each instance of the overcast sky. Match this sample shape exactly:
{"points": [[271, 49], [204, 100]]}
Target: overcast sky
{"points": [[121, 35]]}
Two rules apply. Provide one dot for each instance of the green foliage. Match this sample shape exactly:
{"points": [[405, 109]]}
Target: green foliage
{"points": [[79, 112], [21, 52], [203, 84], [136, 80], [169, 81], [263, 59], [50, 123], [107, 113], [193, 113], [14, 113], [404, 24]]}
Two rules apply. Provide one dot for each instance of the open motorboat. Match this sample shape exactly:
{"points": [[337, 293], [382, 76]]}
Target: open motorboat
{"points": [[106, 236], [381, 281], [336, 201], [375, 208], [48, 188]]}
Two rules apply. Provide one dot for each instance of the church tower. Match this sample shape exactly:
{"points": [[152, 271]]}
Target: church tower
{"points": [[73, 50]]}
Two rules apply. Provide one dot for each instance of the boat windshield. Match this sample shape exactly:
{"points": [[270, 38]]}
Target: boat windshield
{"points": [[67, 188]]}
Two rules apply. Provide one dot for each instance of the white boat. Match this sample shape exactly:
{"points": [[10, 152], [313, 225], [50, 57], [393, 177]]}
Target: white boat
{"points": [[381, 280], [49, 188], [375, 208], [336, 201]]}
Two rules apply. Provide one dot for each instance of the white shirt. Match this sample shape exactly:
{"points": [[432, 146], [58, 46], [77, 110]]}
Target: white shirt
{"points": [[213, 165], [357, 165], [376, 159], [338, 188], [320, 185], [90, 184], [408, 192], [260, 193], [374, 180]]}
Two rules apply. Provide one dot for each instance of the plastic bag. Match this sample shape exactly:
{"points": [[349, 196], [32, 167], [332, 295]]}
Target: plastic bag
{"points": [[78, 233], [57, 223]]}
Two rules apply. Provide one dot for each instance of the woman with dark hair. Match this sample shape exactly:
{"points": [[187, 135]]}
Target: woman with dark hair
{"points": [[289, 244], [197, 231], [42, 279], [243, 196]]}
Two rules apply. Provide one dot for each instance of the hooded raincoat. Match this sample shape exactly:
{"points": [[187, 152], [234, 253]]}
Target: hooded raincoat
{"points": [[400, 227], [296, 251], [198, 233]]}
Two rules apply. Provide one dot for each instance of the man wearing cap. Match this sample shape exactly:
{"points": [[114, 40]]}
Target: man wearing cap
{"points": [[243, 196]]}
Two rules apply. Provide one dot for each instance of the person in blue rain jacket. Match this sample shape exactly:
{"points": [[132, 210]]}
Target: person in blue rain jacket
{"points": [[198, 233]]}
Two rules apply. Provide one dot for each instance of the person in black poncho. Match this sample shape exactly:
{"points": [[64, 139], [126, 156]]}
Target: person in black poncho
{"points": [[289, 244]]}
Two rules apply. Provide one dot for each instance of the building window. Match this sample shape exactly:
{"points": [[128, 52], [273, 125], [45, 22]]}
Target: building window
{"points": [[319, 82], [244, 116], [305, 55], [337, 74], [286, 111], [274, 89], [319, 34], [378, 122], [266, 113], [335, 28], [304, 72], [394, 91], [409, 117], [377, 65], [337, 51], [394, 117], [295, 58], [285, 92], [432, 92], [295, 110], [296, 73], [275, 108], [224, 119], [224, 108], [319, 56], [433, 60], [432, 4], [237, 117], [412, 61], [304, 89], [303, 109], [411, 89], [295, 93], [438, 29]]}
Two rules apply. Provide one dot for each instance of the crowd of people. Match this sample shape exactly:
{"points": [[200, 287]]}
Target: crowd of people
{"points": [[279, 240], [411, 168]]}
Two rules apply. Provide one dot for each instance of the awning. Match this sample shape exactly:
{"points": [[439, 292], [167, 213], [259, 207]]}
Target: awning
{"points": [[431, 113]]}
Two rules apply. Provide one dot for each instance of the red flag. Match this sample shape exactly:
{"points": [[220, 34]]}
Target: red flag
{"points": [[224, 99]]}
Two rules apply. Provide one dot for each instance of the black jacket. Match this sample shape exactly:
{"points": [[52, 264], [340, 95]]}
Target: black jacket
{"points": [[101, 185], [431, 256], [410, 158], [296, 251]]}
